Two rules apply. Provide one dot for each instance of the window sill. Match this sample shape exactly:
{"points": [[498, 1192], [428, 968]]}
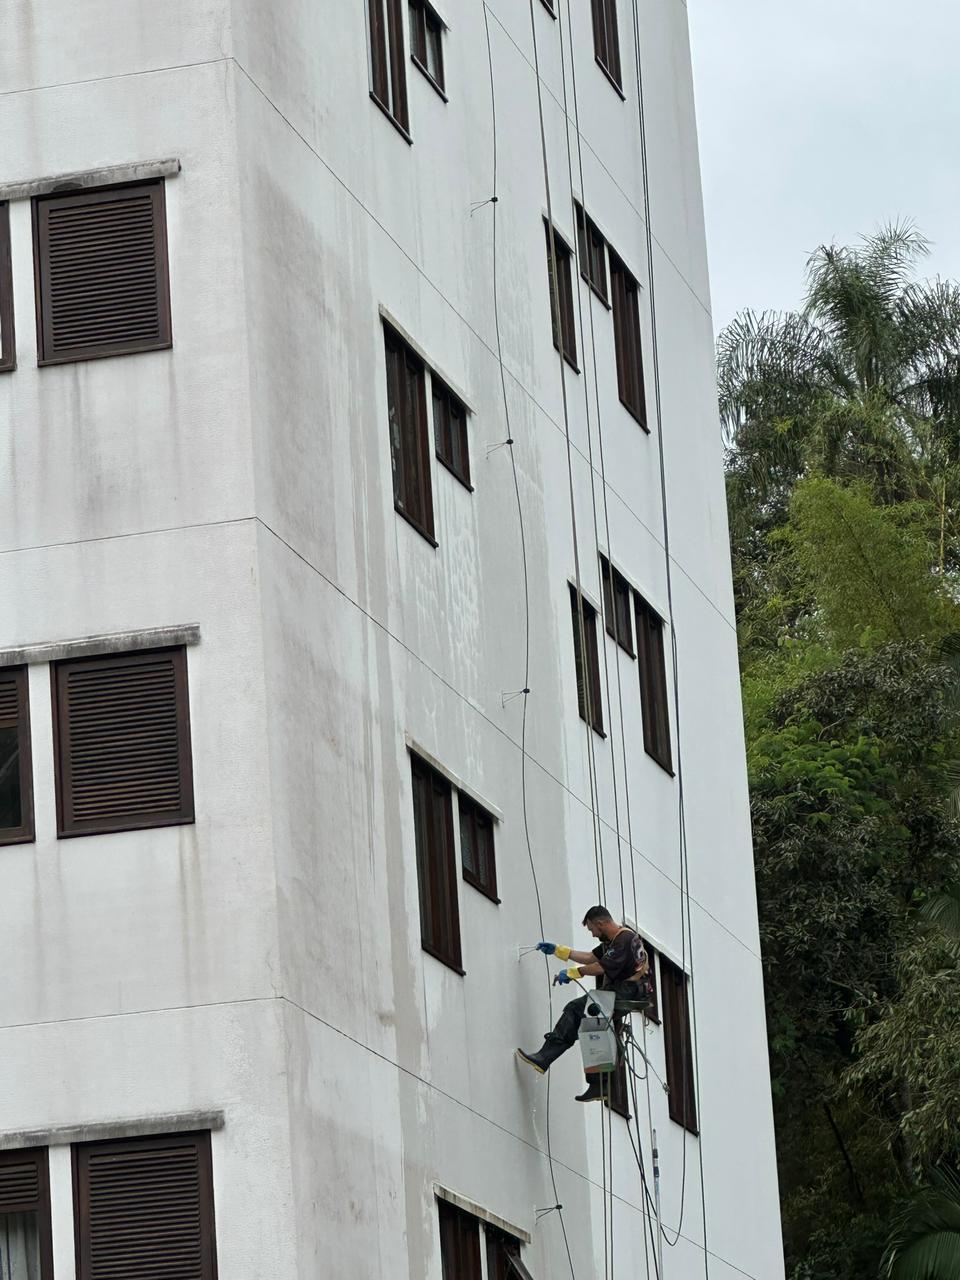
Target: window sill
{"points": [[596, 291], [475, 884], [609, 74], [629, 652], [427, 536], [599, 732], [693, 1131], [107, 353], [435, 84], [665, 765], [444, 960], [456, 474], [17, 837], [109, 829], [635, 416], [401, 129], [570, 361], [9, 367]]}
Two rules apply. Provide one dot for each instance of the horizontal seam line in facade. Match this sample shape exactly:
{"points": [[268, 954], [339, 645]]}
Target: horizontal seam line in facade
{"points": [[282, 999], [589, 146], [116, 75], [498, 729], [429, 1084], [464, 698], [729, 623]]}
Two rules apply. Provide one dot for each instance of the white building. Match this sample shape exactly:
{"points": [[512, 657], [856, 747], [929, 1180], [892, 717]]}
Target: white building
{"points": [[273, 619]]}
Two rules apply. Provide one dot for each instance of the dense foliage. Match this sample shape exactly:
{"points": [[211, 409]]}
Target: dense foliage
{"points": [[843, 469]]}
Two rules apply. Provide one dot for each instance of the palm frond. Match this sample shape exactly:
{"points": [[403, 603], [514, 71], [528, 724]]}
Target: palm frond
{"points": [[942, 910], [924, 1240]]}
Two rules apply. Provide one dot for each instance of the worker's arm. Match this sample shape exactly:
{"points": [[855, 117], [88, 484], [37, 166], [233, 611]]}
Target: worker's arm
{"points": [[584, 957]]}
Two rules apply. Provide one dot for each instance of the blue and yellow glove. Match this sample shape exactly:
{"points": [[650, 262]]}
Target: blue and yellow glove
{"points": [[567, 975], [554, 949]]}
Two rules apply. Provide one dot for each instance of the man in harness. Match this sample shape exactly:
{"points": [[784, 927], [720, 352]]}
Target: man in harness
{"points": [[620, 962]]}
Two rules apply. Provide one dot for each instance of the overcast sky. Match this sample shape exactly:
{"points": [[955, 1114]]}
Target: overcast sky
{"points": [[818, 120]]}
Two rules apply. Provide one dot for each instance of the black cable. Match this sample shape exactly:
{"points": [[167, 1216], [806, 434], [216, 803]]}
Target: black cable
{"points": [[526, 616], [686, 919]]}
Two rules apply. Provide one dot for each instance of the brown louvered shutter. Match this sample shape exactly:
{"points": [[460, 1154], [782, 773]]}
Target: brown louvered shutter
{"points": [[102, 276], [122, 736], [144, 1209], [25, 1190], [16, 770]]}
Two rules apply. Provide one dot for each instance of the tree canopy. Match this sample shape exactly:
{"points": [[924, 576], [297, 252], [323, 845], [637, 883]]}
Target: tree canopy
{"points": [[842, 426]]}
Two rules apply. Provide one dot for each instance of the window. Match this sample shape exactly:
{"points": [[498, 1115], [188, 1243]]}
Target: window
{"points": [[388, 72], [436, 864], [476, 847], [503, 1256], [122, 742], [653, 685], [616, 603], [409, 434], [679, 1052], [606, 39], [593, 257], [426, 37], [144, 1208], [26, 1247], [450, 430], [653, 1013], [16, 774], [101, 269], [588, 664], [626, 337], [616, 1086], [561, 296], [459, 1243], [8, 345]]}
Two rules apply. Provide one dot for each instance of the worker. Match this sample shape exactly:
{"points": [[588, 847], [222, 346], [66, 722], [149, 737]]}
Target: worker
{"points": [[620, 962]]}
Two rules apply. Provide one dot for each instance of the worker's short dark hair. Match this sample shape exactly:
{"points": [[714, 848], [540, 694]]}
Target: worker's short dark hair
{"points": [[598, 914]]}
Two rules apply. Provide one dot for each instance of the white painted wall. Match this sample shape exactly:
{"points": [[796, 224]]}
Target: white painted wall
{"points": [[266, 961]]}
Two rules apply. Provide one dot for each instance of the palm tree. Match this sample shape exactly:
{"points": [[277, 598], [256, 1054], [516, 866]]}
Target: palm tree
{"points": [[863, 382], [924, 1241]]}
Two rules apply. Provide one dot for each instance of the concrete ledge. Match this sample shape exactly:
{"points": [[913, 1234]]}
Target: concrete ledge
{"points": [[109, 176], [484, 1215], [429, 758], [92, 646], [62, 1135]]}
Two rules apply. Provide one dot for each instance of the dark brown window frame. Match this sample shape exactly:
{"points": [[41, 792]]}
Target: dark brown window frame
{"points": [[8, 333], [606, 41], [26, 831], [436, 867], [453, 406], [81, 1192], [616, 589], [628, 340], [38, 1204], [654, 701], [549, 6], [408, 452], [503, 1255], [592, 248], [47, 350], [426, 23], [67, 825], [591, 669], [677, 1042], [388, 70], [653, 1013], [481, 820], [560, 279], [459, 1242]]}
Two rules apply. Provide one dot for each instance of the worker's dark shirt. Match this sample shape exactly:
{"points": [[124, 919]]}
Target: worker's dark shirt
{"points": [[620, 958]]}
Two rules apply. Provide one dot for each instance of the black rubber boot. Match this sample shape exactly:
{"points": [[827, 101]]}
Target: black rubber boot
{"points": [[594, 1090], [541, 1060]]}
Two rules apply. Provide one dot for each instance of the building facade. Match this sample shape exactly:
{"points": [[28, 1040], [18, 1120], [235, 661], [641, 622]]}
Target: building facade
{"points": [[366, 613]]}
